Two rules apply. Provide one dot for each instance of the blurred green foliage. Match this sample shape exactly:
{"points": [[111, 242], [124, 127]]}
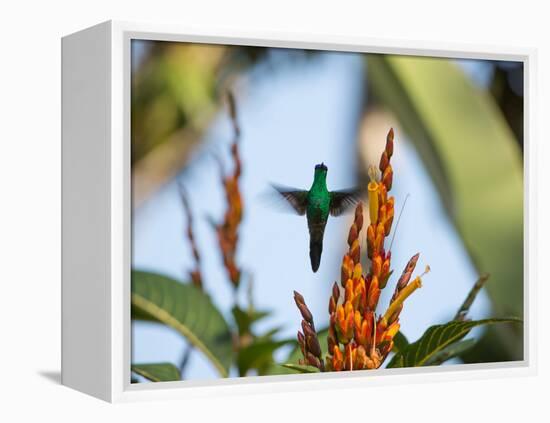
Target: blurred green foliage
{"points": [[173, 89], [186, 309], [157, 372]]}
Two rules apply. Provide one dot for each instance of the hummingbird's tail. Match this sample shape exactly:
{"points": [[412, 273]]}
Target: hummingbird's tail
{"points": [[315, 250], [316, 233]]}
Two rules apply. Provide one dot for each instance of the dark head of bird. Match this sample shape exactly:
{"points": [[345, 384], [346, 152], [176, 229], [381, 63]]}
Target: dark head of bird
{"points": [[321, 167], [320, 172]]}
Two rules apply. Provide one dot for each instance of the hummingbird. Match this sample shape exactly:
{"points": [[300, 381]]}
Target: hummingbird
{"points": [[317, 204]]}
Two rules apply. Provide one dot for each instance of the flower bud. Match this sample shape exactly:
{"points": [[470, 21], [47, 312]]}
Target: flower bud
{"points": [[337, 359], [357, 319], [357, 270], [355, 251], [382, 215], [347, 269], [304, 311], [335, 291], [373, 294], [331, 305], [382, 194], [363, 333], [348, 291], [313, 346], [312, 360], [384, 273], [373, 202], [359, 216], [371, 238], [379, 240], [308, 330], [389, 216], [387, 177], [384, 161], [298, 298], [376, 265], [389, 143], [301, 342], [353, 234]]}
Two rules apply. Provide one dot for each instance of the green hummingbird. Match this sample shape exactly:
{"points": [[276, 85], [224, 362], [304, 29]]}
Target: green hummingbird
{"points": [[317, 204]]}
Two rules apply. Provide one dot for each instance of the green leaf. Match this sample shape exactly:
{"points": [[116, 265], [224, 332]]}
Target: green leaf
{"points": [[246, 318], [157, 372], [400, 342], [475, 163], [452, 351], [186, 309], [436, 339], [268, 336], [259, 355], [300, 368]]}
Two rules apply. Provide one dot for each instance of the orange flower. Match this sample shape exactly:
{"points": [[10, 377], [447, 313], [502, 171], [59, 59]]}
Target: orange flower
{"points": [[227, 231], [357, 337], [195, 274]]}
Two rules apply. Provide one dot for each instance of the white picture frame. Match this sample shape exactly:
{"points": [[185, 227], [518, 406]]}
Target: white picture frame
{"points": [[96, 213]]}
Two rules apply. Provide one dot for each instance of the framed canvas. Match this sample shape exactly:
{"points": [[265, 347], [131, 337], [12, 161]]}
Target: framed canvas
{"points": [[269, 212]]}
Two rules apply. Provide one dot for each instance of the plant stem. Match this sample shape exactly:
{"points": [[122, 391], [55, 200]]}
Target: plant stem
{"points": [[465, 307]]}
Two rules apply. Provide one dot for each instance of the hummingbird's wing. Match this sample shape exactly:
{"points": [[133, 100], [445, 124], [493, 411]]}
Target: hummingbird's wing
{"points": [[295, 197], [344, 200]]}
